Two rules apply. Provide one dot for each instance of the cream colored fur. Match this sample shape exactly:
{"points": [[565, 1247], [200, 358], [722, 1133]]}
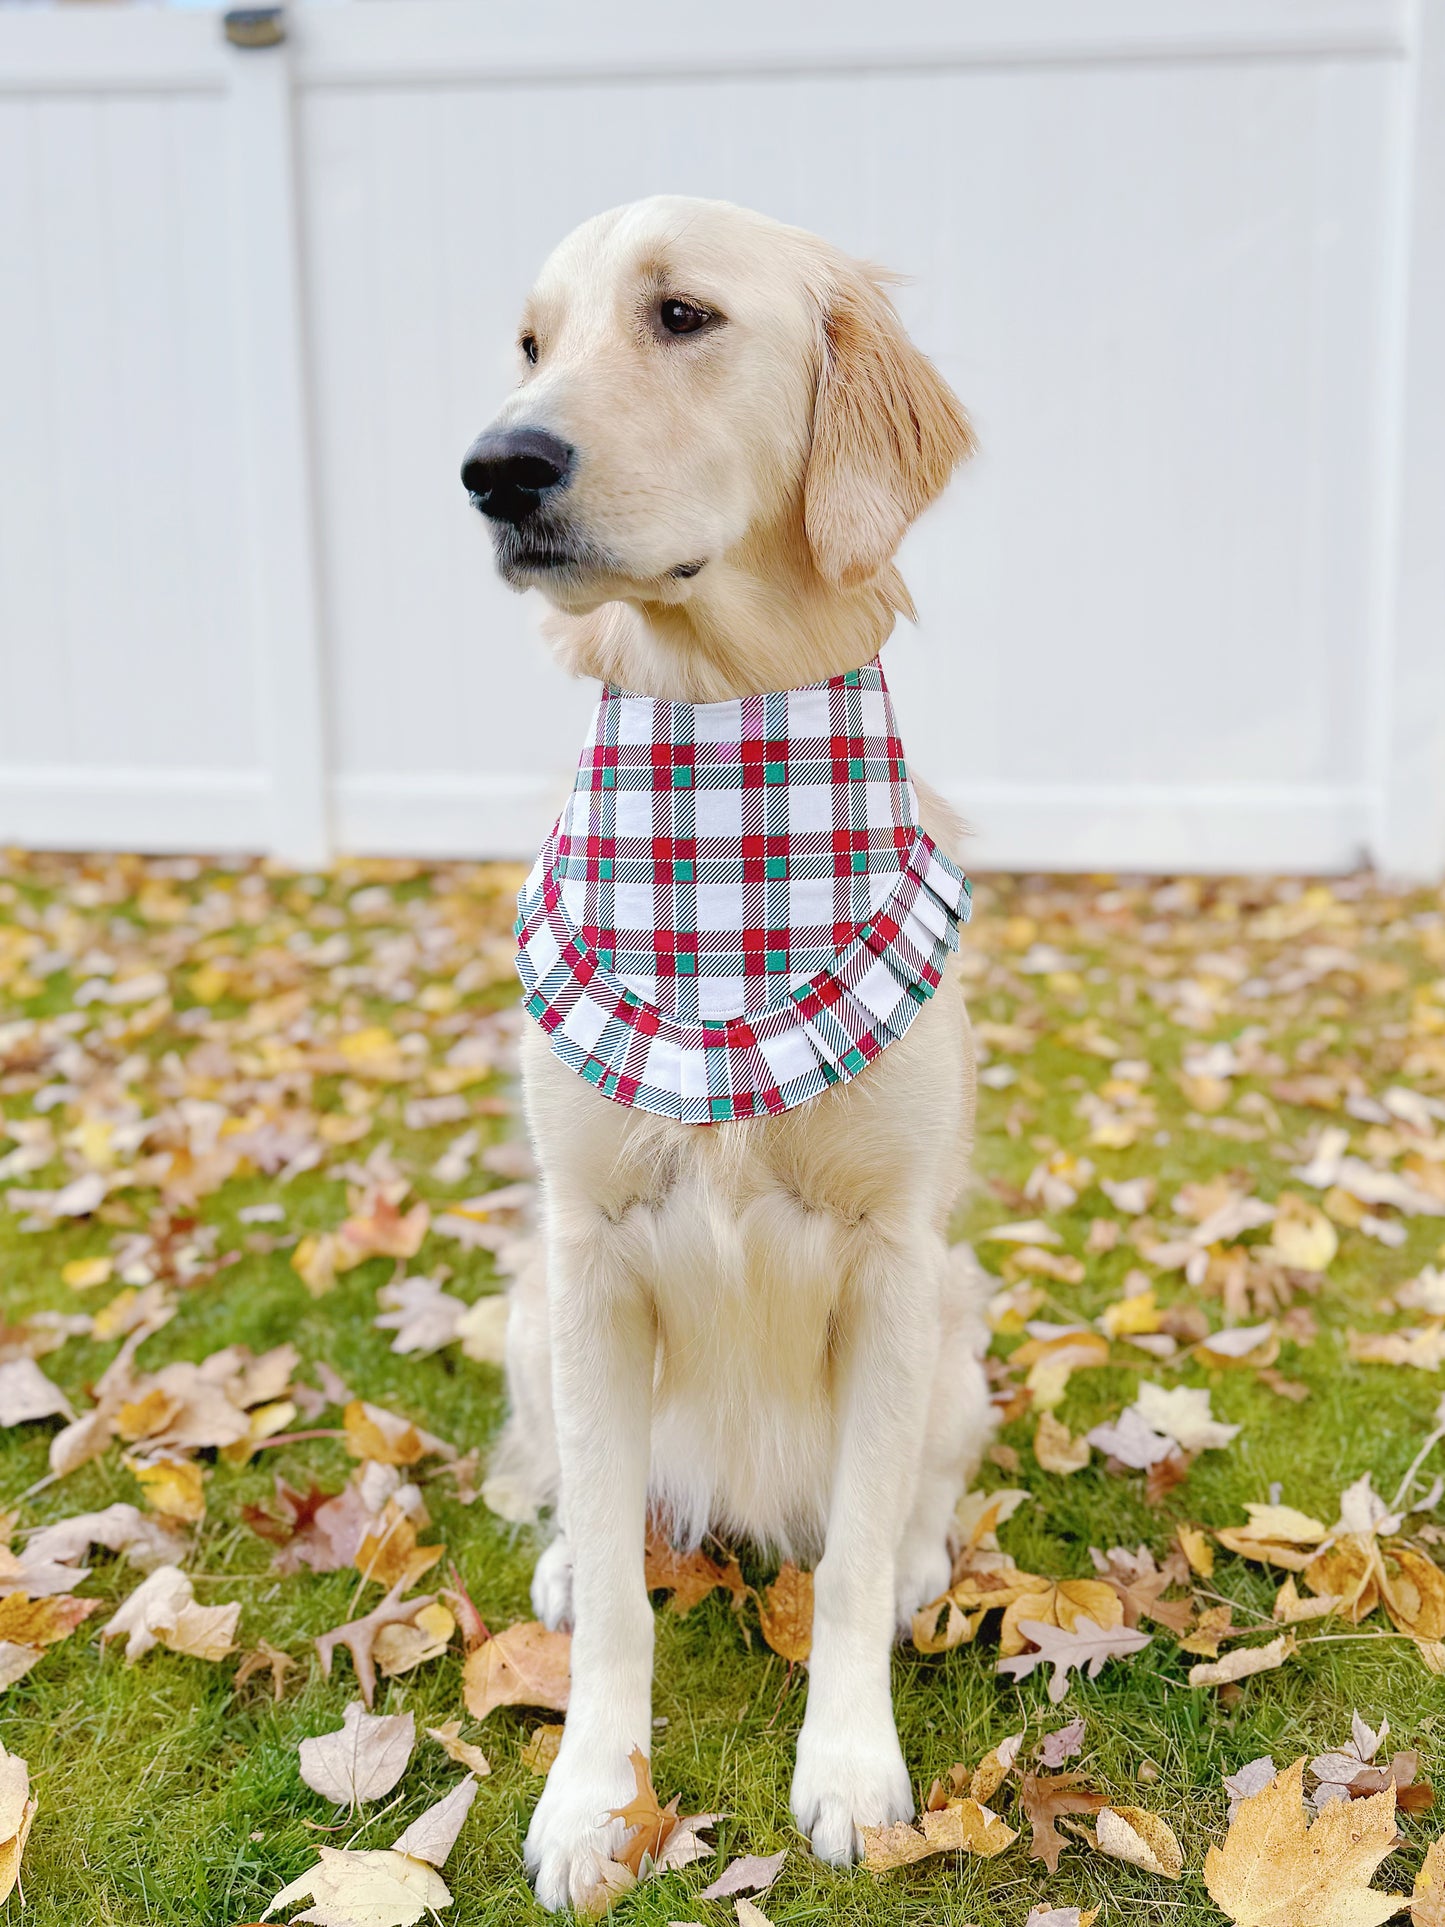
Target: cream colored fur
{"points": [[757, 1327]]}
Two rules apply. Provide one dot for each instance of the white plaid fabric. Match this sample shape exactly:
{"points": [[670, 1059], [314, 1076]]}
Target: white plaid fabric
{"points": [[737, 906]]}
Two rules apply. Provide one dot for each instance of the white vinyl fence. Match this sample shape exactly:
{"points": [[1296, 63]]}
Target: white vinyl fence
{"points": [[1184, 259]]}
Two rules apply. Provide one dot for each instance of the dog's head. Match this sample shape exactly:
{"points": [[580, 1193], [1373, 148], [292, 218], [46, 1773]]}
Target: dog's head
{"points": [[698, 382]]}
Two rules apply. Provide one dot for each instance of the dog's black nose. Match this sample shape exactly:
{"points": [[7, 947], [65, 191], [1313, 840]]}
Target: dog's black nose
{"points": [[508, 471]]}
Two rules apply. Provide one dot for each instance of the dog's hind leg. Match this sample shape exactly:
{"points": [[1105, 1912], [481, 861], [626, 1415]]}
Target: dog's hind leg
{"points": [[850, 1771], [959, 1425], [603, 1342]]}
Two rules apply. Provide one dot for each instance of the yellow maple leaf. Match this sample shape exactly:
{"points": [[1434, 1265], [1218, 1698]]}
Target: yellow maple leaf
{"points": [[1275, 1871]]}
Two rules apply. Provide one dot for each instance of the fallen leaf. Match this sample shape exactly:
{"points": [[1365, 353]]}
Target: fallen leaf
{"points": [[352, 1888], [750, 1874], [1427, 1898], [1274, 1871], [362, 1759], [462, 1751], [359, 1636], [785, 1614], [689, 1576], [1243, 1662], [42, 1622], [1061, 1602], [1131, 1441], [967, 1826], [27, 1394], [163, 1611], [1045, 1799], [389, 1553], [1249, 1780], [407, 1644], [1143, 1839], [524, 1665], [433, 1834], [1087, 1644], [1182, 1414], [540, 1752], [482, 1329], [266, 1658], [384, 1437], [424, 1317], [1064, 1743], [1302, 1235], [175, 1487], [1056, 1449], [17, 1811]]}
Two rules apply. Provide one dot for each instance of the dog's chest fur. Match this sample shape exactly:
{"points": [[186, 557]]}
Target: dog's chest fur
{"points": [[748, 1238]]}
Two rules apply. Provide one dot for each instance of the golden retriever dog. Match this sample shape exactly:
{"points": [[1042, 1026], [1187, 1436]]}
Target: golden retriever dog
{"points": [[720, 435]]}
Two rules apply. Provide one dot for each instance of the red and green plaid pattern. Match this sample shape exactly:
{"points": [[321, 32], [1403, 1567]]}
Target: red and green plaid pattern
{"points": [[737, 906]]}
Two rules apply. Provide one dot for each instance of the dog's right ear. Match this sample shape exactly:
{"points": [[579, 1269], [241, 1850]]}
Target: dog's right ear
{"points": [[888, 432]]}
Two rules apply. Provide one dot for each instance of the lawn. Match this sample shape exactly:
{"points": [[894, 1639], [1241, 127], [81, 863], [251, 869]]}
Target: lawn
{"points": [[181, 1043]]}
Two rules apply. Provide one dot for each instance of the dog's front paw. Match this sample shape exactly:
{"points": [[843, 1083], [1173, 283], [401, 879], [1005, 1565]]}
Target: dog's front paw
{"points": [[573, 1834], [844, 1781], [552, 1585]]}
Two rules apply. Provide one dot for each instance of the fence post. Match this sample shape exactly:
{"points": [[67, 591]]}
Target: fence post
{"points": [[1412, 781], [280, 531]]}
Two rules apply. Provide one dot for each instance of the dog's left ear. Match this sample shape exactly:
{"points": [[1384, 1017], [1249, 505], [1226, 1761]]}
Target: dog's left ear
{"points": [[888, 431]]}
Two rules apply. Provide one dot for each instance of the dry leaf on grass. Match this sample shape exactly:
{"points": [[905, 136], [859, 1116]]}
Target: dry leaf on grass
{"points": [[388, 1552], [689, 1576], [1056, 1449], [1045, 1916], [359, 1636], [785, 1614], [362, 1759], [1250, 1779], [1088, 1645], [955, 1826], [17, 1810], [163, 1611], [1243, 1662], [752, 1873], [1143, 1839], [460, 1750], [1046, 1798], [266, 1658], [424, 1317], [433, 1834], [1427, 1899], [27, 1394], [523, 1665], [380, 1888], [1060, 1602], [388, 1439], [539, 1753], [1275, 1871]]}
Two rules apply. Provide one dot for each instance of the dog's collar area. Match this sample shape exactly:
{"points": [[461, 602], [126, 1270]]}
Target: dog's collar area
{"points": [[737, 907]]}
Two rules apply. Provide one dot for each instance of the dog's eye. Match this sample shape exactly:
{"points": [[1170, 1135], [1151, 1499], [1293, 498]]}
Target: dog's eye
{"points": [[682, 317], [528, 345]]}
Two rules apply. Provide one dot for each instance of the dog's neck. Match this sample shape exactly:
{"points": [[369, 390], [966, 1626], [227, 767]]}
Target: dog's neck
{"points": [[760, 618]]}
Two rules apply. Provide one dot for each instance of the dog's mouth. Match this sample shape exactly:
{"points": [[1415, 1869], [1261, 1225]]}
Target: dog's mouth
{"points": [[525, 551]]}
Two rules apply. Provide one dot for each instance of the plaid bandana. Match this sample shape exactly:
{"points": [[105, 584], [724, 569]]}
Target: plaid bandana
{"points": [[737, 907]]}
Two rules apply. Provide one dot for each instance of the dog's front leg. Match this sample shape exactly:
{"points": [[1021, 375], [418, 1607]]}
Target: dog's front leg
{"points": [[602, 1364], [850, 1771]]}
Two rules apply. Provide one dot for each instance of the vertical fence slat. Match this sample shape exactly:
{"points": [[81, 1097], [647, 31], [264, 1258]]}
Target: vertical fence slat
{"points": [[284, 598]]}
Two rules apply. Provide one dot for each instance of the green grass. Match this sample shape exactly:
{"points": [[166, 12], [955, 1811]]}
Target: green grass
{"points": [[166, 1797]]}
